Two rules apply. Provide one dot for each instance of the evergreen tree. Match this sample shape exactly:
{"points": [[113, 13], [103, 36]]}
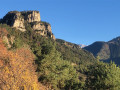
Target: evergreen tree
{"points": [[103, 76]]}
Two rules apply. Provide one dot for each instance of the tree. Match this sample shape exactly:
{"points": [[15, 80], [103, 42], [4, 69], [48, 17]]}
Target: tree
{"points": [[17, 43], [55, 72], [103, 76]]}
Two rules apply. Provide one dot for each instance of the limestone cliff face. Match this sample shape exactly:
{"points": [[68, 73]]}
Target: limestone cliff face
{"points": [[18, 19], [14, 19], [43, 28], [8, 41], [18, 22], [31, 16]]}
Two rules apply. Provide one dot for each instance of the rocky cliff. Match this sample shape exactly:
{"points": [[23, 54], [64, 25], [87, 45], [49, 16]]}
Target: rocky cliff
{"points": [[18, 20], [31, 16]]}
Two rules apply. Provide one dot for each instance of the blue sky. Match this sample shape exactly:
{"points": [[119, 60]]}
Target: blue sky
{"points": [[77, 21]]}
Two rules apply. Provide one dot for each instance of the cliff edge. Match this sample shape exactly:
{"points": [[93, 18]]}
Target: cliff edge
{"points": [[19, 20]]}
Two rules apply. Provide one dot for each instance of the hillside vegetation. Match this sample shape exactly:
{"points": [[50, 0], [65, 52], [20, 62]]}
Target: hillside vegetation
{"points": [[31, 61], [16, 68]]}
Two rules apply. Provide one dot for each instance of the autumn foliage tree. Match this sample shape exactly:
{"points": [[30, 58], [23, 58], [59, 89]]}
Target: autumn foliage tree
{"points": [[16, 69]]}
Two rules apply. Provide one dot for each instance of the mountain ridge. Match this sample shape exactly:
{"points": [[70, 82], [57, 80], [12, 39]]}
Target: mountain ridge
{"points": [[106, 50]]}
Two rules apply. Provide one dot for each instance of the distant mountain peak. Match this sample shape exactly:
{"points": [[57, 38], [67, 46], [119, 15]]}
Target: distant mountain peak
{"points": [[107, 51], [82, 45]]}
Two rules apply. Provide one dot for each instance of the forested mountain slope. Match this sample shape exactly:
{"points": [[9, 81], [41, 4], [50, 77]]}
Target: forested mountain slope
{"points": [[55, 64], [32, 59], [107, 51]]}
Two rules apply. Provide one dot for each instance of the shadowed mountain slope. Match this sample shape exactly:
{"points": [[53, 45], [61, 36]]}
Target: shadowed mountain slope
{"points": [[107, 51]]}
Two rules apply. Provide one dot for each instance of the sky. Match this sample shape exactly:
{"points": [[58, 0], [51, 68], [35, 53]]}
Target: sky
{"points": [[76, 21]]}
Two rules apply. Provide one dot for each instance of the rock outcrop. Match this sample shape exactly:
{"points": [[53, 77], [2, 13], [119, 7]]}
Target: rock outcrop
{"points": [[31, 16], [14, 19], [18, 19], [43, 28]]}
